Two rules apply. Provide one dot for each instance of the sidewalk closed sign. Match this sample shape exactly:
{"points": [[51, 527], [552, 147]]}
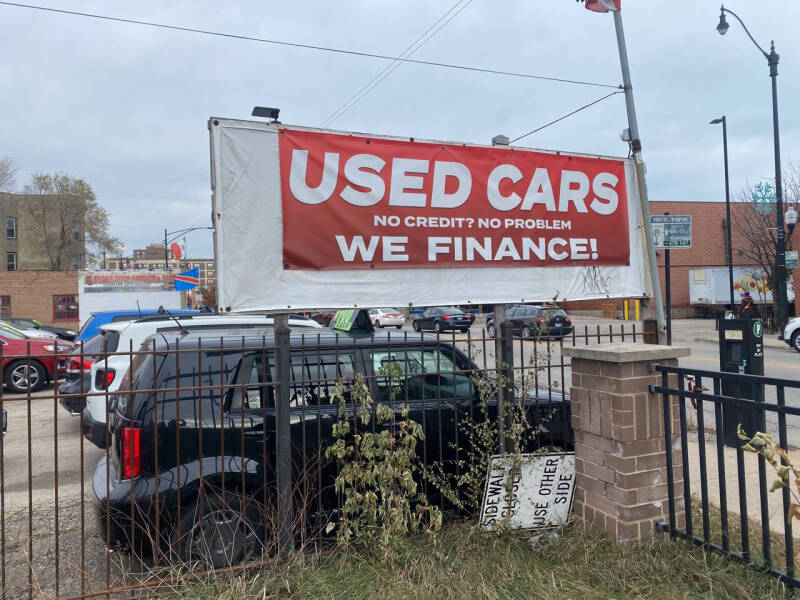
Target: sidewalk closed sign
{"points": [[672, 231], [539, 495]]}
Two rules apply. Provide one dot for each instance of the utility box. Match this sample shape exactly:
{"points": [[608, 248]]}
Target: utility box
{"points": [[741, 350]]}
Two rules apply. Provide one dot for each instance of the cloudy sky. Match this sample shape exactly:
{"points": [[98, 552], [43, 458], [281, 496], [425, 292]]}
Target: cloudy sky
{"points": [[125, 107]]}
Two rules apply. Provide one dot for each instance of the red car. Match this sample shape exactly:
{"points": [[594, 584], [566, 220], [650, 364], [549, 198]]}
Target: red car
{"points": [[22, 369]]}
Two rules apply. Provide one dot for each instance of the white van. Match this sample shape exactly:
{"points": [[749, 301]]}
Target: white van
{"points": [[106, 372]]}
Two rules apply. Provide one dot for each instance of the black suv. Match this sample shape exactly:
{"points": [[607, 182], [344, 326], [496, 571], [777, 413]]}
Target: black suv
{"points": [[205, 418], [530, 321]]}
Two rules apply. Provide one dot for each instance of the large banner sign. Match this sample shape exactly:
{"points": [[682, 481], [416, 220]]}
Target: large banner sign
{"points": [[351, 202], [309, 218]]}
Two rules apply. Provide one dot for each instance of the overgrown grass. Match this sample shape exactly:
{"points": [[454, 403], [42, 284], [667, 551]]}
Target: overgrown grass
{"points": [[577, 562]]}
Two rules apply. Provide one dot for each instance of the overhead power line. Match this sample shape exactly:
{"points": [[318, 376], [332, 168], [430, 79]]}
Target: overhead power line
{"points": [[306, 46], [569, 114], [448, 16]]}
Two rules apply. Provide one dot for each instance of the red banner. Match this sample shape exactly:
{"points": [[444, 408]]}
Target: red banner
{"points": [[352, 202]]}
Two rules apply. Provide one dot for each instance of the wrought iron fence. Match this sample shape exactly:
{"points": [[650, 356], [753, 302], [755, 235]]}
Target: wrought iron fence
{"points": [[735, 513], [195, 428]]}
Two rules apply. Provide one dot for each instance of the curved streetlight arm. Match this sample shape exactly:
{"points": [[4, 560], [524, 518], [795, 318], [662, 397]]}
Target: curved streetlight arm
{"points": [[747, 31], [180, 232]]}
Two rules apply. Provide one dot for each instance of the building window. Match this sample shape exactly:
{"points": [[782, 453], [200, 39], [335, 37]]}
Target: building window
{"points": [[76, 261], [65, 307], [11, 228], [5, 307], [11, 261]]}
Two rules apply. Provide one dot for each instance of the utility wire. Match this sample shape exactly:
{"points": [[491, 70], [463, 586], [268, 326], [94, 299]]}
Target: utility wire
{"points": [[307, 46], [390, 68], [569, 114]]}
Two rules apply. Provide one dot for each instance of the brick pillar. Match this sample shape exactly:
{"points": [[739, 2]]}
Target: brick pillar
{"points": [[620, 444]]}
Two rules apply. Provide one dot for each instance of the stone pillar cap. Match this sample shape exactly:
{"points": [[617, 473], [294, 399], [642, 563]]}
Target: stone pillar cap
{"points": [[625, 352]]}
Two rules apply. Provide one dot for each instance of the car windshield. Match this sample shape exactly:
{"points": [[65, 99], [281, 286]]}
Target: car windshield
{"points": [[11, 334], [454, 311], [24, 323], [91, 346], [388, 310]]}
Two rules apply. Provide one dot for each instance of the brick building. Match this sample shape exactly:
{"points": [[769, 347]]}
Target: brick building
{"points": [[48, 296], [22, 243], [708, 251]]}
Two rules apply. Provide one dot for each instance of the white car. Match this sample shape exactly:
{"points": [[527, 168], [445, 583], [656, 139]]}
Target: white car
{"points": [[386, 317], [107, 372], [791, 333]]}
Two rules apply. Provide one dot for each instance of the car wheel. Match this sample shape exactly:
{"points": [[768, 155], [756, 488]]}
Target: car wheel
{"points": [[491, 331], [415, 326], [796, 340], [217, 531], [526, 332], [378, 325], [22, 376], [437, 327]]}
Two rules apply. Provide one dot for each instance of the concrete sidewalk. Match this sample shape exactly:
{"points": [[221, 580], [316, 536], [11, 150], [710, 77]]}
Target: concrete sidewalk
{"points": [[731, 486], [705, 330]]}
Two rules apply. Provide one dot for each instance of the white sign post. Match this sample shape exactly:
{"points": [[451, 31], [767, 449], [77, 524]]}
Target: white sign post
{"points": [[537, 497]]}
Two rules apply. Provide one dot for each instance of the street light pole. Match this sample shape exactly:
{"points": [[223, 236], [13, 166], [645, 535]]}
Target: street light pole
{"points": [[724, 122], [636, 146], [176, 235], [772, 60]]}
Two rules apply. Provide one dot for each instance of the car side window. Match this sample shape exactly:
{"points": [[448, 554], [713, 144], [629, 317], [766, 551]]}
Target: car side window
{"points": [[313, 379], [423, 373], [327, 369], [512, 312]]}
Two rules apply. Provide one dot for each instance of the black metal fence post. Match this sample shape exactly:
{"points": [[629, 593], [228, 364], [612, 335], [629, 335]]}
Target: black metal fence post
{"points": [[507, 366], [283, 437]]}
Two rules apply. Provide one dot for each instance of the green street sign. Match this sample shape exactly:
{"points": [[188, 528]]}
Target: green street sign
{"points": [[791, 261], [757, 329]]}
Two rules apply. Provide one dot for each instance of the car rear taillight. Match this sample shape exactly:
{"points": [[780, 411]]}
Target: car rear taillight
{"points": [[104, 378], [75, 364], [445, 317], [130, 460], [566, 320]]}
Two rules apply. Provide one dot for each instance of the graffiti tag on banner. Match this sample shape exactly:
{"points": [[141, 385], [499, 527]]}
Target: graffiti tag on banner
{"points": [[537, 497]]}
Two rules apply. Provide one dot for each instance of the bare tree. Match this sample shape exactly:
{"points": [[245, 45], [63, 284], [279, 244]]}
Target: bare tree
{"points": [[8, 173], [754, 220], [64, 209]]}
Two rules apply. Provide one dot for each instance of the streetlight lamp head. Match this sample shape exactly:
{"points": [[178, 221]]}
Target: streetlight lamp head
{"points": [[722, 26], [716, 121], [791, 219]]}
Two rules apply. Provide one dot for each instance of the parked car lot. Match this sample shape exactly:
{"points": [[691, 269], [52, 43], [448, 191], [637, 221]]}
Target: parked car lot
{"points": [[440, 318], [236, 432]]}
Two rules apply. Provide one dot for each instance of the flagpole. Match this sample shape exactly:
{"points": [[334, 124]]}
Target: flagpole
{"points": [[636, 146]]}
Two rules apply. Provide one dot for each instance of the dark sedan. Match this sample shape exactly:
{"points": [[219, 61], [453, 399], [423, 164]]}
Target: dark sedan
{"points": [[534, 321], [439, 318]]}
